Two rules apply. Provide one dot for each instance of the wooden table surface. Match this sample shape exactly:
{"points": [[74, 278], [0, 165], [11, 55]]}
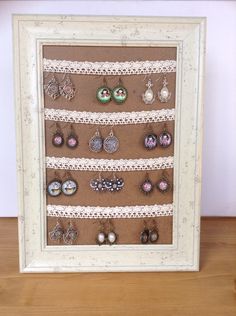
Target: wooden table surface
{"points": [[212, 291]]}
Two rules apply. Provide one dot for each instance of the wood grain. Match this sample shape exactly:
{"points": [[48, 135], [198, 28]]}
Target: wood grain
{"points": [[212, 291]]}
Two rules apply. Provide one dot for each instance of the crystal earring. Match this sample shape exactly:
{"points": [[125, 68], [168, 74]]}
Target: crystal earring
{"points": [[70, 235], [115, 184], [72, 139], [101, 235], [165, 138], [57, 233], [98, 184], [164, 94], [144, 236], [111, 143], [153, 233], [66, 88], [119, 93], [51, 88], [148, 96], [111, 236], [103, 93], [69, 186], [96, 142], [54, 187], [163, 184], [146, 186], [58, 137]]}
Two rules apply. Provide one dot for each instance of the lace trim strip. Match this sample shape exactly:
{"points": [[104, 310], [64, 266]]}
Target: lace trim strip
{"points": [[85, 164], [109, 68], [110, 212], [117, 118]]}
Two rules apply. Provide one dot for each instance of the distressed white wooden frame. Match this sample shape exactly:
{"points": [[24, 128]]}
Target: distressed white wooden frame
{"points": [[31, 32]]}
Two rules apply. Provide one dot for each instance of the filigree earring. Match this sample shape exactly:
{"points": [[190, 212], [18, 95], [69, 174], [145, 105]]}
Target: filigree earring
{"points": [[148, 96], [69, 186], [111, 143], [57, 233], [163, 184], [58, 137], [119, 93], [164, 94], [51, 88], [103, 93], [70, 235], [165, 138], [72, 139], [146, 186], [96, 142], [54, 187], [98, 184], [66, 88]]}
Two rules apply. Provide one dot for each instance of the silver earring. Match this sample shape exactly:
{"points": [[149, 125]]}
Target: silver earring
{"points": [[52, 88], [57, 233], [70, 235], [96, 142], [111, 143], [164, 94], [148, 96], [66, 88]]}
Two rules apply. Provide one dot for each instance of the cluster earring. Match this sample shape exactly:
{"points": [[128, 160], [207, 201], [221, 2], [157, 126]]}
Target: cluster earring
{"points": [[148, 96], [99, 184], [68, 186], [106, 233], [51, 88], [149, 234], [107, 185], [146, 186], [72, 139], [66, 88], [104, 94], [96, 142], [58, 233], [164, 94]]}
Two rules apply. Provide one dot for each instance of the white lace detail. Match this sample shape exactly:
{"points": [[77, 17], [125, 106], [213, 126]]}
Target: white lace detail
{"points": [[109, 164], [109, 68], [114, 118], [110, 212]]}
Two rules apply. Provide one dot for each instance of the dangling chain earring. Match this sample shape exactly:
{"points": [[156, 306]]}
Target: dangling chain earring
{"points": [[148, 96], [164, 95], [66, 87], [52, 88]]}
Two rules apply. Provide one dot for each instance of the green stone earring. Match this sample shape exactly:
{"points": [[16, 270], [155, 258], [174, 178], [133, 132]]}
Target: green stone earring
{"points": [[104, 93], [119, 93]]}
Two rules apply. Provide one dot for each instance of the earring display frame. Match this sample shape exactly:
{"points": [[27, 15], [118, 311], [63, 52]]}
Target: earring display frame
{"points": [[32, 33]]}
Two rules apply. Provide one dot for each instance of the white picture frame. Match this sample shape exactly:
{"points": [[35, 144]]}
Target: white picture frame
{"points": [[31, 32]]}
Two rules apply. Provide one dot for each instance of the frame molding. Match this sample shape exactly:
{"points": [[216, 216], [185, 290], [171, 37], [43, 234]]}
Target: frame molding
{"points": [[31, 32]]}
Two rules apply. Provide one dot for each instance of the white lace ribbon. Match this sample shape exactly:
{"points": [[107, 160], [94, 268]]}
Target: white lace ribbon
{"points": [[113, 118], [109, 68], [91, 164], [137, 211]]}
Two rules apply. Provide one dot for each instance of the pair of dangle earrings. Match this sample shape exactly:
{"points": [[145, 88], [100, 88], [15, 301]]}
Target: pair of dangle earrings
{"points": [[163, 184], [107, 185], [149, 235], [110, 144], [118, 94], [65, 88], [58, 138], [69, 235], [164, 139], [163, 95], [106, 235], [67, 185]]}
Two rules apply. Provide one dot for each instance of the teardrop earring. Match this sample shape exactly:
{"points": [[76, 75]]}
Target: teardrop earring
{"points": [[72, 139], [58, 137], [69, 186], [119, 93], [101, 235], [153, 233], [111, 236], [57, 233], [164, 94], [70, 235], [146, 186], [144, 236], [103, 93], [111, 143], [148, 96], [96, 142], [54, 188], [165, 138], [51, 88], [66, 87]]}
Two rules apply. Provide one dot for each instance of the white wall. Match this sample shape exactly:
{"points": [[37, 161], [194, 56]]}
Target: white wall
{"points": [[219, 154]]}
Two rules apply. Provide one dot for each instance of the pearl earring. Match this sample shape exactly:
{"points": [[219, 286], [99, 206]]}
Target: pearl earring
{"points": [[148, 96], [164, 94]]}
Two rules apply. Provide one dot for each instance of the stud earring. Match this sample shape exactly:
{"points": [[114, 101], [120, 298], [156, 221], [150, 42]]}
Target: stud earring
{"points": [[72, 139], [144, 236], [69, 186], [101, 235], [148, 96], [111, 236], [58, 137], [103, 93], [66, 88], [119, 93], [51, 88], [165, 138], [111, 143], [114, 185], [150, 139], [146, 186], [153, 233], [57, 233], [96, 142], [70, 235], [54, 187], [163, 184], [98, 184], [164, 94]]}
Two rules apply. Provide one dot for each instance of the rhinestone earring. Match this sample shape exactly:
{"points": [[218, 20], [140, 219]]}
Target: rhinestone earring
{"points": [[98, 184], [103, 93], [111, 143], [148, 96], [163, 184], [164, 94], [70, 235], [54, 187], [72, 139], [57, 233], [51, 88], [96, 142], [165, 138], [69, 186], [66, 88], [58, 137], [146, 186], [119, 93], [111, 236]]}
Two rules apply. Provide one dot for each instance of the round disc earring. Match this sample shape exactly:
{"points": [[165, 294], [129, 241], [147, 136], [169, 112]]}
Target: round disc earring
{"points": [[119, 93], [165, 138], [103, 93], [72, 139], [54, 187], [58, 137], [96, 142], [146, 186], [69, 186], [111, 143], [163, 184]]}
